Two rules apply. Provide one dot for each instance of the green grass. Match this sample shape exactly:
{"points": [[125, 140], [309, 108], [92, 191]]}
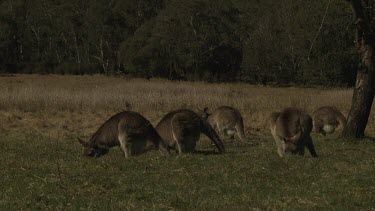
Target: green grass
{"points": [[42, 166], [38, 172]]}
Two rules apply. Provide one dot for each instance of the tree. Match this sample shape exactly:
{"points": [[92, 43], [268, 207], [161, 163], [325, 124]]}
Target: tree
{"points": [[276, 37], [195, 40], [363, 95], [212, 40]]}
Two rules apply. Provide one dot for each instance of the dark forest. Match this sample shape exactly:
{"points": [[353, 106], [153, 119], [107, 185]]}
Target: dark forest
{"points": [[262, 42]]}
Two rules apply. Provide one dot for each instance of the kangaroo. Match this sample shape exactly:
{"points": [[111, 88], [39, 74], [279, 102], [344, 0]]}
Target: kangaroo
{"points": [[129, 130], [181, 130], [226, 120], [291, 130], [326, 119]]}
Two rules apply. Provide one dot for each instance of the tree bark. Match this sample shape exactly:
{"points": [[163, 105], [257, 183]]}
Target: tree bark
{"points": [[363, 94]]}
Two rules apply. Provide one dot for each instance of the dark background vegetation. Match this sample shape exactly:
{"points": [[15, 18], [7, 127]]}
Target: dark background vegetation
{"points": [[254, 41]]}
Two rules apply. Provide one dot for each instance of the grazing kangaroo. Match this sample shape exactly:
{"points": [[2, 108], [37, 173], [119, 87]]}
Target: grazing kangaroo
{"points": [[291, 130], [326, 119], [226, 120], [129, 130], [181, 130]]}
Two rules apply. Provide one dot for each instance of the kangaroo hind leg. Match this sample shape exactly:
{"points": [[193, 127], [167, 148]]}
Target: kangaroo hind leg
{"points": [[310, 146], [124, 143]]}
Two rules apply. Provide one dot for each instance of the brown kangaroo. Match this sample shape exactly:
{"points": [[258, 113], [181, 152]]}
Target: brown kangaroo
{"points": [[291, 130], [226, 120], [326, 119], [129, 130], [181, 130]]}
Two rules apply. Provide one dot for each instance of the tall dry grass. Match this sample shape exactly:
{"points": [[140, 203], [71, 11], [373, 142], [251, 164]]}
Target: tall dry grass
{"points": [[42, 166], [83, 102]]}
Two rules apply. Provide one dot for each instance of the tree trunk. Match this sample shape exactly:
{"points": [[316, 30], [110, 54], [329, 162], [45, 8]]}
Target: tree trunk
{"points": [[363, 94]]}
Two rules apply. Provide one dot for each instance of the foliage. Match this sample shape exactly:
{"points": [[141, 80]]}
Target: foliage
{"points": [[239, 40]]}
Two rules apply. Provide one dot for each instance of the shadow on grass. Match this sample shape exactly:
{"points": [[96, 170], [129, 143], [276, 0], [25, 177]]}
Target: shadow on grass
{"points": [[201, 152], [368, 138]]}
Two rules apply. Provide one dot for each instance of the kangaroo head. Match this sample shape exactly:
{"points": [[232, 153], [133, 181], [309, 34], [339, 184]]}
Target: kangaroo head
{"points": [[92, 149], [291, 144], [203, 113], [164, 148]]}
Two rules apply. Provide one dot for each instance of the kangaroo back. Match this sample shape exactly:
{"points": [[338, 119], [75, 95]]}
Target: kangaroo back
{"points": [[292, 124]]}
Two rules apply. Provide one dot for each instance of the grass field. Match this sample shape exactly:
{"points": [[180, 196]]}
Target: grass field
{"points": [[42, 166]]}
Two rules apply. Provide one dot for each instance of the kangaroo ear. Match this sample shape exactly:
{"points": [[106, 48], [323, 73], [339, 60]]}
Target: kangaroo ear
{"points": [[128, 106], [82, 142]]}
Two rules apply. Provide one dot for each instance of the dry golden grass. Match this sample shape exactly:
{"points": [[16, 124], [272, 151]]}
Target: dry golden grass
{"points": [[72, 105], [43, 167]]}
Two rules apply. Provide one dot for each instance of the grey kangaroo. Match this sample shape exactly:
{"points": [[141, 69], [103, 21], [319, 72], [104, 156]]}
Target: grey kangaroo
{"points": [[291, 130], [129, 130], [181, 130]]}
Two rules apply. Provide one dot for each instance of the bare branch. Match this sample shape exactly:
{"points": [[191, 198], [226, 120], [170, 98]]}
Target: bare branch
{"points": [[320, 28]]}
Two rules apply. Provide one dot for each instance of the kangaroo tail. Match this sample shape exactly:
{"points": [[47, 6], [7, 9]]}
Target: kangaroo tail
{"points": [[240, 129], [210, 133]]}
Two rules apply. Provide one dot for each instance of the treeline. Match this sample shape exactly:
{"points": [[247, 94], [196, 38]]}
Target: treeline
{"points": [[268, 41]]}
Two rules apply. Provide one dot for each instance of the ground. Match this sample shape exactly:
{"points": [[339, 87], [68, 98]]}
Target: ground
{"points": [[42, 166]]}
